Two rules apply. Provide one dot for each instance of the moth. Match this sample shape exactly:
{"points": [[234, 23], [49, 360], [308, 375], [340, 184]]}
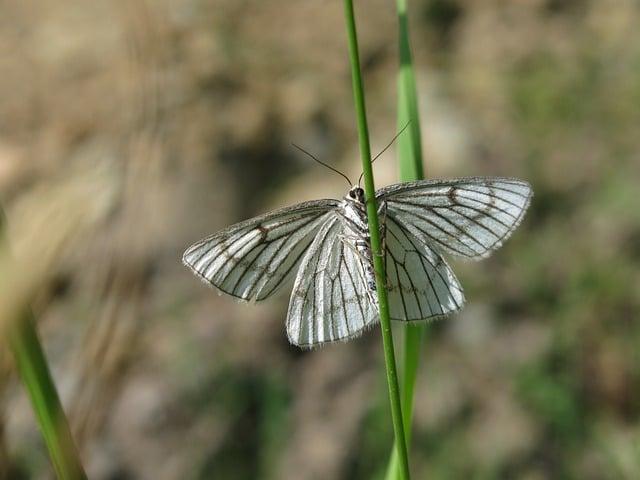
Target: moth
{"points": [[326, 246]]}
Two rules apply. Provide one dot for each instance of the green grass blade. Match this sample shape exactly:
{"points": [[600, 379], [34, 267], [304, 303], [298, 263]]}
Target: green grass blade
{"points": [[411, 168], [372, 214], [34, 372]]}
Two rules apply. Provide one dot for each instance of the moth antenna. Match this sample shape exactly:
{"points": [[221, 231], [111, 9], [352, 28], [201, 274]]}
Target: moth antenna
{"points": [[324, 164], [386, 148]]}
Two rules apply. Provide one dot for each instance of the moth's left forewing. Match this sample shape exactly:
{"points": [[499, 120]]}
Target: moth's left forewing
{"points": [[251, 259]]}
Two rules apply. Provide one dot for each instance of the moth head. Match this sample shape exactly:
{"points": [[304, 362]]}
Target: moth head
{"points": [[356, 194]]}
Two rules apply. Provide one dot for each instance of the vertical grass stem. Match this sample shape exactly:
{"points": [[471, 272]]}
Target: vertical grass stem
{"points": [[32, 367], [372, 214], [411, 168]]}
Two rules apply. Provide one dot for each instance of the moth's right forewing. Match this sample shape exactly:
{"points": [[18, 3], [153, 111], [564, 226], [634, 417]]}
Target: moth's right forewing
{"points": [[468, 217]]}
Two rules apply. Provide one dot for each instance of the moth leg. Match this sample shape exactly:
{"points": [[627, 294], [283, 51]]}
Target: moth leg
{"points": [[383, 240], [347, 239], [354, 249], [382, 211]]}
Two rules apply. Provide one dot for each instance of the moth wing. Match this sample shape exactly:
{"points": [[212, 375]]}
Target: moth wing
{"points": [[251, 259], [330, 300], [420, 284], [468, 217]]}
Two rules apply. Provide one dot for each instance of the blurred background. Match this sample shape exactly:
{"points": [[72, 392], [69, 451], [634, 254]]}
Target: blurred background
{"points": [[186, 109]]}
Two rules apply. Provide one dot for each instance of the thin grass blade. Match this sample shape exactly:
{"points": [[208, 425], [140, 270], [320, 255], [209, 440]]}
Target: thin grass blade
{"points": [[372, 214], [411, 168], [33, 369]]}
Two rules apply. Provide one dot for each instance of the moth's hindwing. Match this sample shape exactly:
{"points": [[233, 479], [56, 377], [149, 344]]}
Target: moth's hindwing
{"points": [[329, 301]]}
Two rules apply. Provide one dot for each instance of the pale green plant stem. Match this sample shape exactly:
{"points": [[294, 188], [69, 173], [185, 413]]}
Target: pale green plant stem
{"points": [[378, 263], [32, 367], [411, 168]]}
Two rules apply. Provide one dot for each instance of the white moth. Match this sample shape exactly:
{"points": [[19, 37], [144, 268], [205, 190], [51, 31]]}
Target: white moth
{"points": [[326, 245]]}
